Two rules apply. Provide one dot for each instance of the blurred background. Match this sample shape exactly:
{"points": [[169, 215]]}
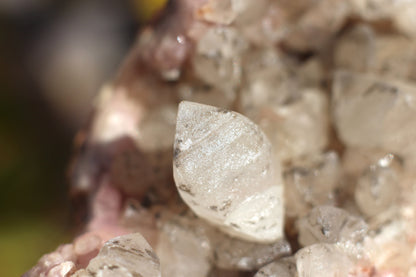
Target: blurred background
{"points": [[54, 57]]}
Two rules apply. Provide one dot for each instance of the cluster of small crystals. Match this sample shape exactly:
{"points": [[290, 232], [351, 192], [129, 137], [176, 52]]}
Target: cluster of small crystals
{"points": [[293, 153]]}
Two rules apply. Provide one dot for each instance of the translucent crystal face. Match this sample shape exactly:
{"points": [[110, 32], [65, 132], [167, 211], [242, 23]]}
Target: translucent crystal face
{"points": [[325, 260], [371, 111], [224, 170], [326, 224], [124, 255]]}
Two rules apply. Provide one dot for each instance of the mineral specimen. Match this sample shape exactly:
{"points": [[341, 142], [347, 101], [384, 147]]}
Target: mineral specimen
{"points": [[311, 174], [224, 170]]}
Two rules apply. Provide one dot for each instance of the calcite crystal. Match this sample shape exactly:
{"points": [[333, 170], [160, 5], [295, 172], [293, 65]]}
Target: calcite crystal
{"points": [[224, 170], [285, 267], [326, 224], [302, 165], [370, 111], [326, 260], [128, 255]]}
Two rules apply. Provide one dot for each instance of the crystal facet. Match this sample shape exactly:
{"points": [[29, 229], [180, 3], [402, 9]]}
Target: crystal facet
{"points": [[224, 170]]}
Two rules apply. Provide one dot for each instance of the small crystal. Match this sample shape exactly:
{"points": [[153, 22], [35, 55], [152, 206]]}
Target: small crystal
{"points": [[157, 128], [285, 267], [207, 94], [217, 60], [183, 248], [323, 260], [311, 182], [326, 224], [298, 128], [224, 170], [315, 27], [388, 55], [126, 256], [373, 112], [233, 253], [229, 11], [360, 41], [377, 188], [269, 81]]}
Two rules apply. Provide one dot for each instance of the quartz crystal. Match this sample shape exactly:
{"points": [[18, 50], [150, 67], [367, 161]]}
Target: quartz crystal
{"points": [[128, 255], [311, 182], [183, 247], [218, 57], [269, 81], [388, 55], [377, 187], [228, 11], [234, 253], [207, 94], [224, 170], [299, 127], [285, 267], [326, 224], [374, 112], [323, 260]]}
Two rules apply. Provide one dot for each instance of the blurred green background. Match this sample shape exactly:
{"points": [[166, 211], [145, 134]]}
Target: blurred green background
{"points": [[54, 56]]}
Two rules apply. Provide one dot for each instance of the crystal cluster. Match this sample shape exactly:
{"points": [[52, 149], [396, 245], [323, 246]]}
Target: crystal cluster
{"points": [[290, 127]]}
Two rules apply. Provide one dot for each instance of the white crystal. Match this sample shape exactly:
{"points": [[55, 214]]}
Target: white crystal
{"points": [[224, 170], [323, 260], [326, 224], [233, 253], [388, 55], [229, 11], [374, 112], [313, 29], [128, 255], [207, 94], [310, 182], [281, 268], [300, 127], [157, 128], [269, 81], [377, 188], [217, 60], [182, 248]]}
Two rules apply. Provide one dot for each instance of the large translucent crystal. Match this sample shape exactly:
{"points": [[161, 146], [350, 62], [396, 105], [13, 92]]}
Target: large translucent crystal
{"points": [[224, 170]]}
